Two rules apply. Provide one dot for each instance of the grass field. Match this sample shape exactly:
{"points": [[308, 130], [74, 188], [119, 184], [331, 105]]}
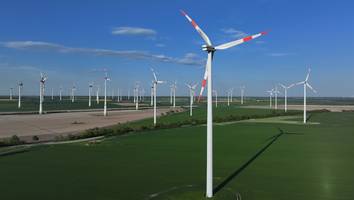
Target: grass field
{"points": [[253, 159]]}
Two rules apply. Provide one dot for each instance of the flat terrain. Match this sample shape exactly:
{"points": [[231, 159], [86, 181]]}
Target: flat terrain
{"points": [[332, 108], [48, 126], [259, 160]]}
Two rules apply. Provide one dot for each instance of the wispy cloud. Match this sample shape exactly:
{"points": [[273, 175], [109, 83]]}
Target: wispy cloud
{"points": [[233, 33], [130, 54], [135, 31], [279, 54]]}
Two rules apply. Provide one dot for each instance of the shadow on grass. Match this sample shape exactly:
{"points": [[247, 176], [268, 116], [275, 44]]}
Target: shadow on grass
{"points": [[245, 165]]}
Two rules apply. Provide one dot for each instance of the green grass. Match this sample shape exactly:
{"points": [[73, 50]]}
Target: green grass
{"points": [[311, 162]]}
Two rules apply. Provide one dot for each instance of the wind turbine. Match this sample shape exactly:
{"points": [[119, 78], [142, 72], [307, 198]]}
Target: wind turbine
{"points": [[191, 95], [231, 94], [89, 94], [52, 94], [270, 97], [174, 87], [171, 94], [136, 96], [210, 49], [152, 94], [106, 78], [20, 85], [155, 82], [97, 94], [60, 92], [41, 92], [276, 92], [11, 92], [306, 85], [73, 93], [228, 96], [286, 95], [242, 93]]}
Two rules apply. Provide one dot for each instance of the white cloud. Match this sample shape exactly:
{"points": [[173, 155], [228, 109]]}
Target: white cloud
{"points": [[231, 32], [137, 31], [131, 54]]}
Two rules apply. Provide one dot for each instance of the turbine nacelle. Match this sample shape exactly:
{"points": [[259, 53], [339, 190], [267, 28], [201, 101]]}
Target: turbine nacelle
{"points": [[208, 48]]}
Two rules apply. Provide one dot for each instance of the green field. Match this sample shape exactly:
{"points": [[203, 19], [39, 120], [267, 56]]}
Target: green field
{"points": [[258, 160]]}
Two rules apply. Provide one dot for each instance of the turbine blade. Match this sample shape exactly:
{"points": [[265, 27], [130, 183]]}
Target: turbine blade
{"points": [[239, 41], [308, 75], [283, 86], [204, 81], [309, 86], [300, 83], [292, 85], [199, 30]]}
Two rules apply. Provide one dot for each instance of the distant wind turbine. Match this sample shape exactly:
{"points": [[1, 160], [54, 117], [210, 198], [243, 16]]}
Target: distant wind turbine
{"points": [[306, 85], [191, 96], [20, 85], [286, 95]]}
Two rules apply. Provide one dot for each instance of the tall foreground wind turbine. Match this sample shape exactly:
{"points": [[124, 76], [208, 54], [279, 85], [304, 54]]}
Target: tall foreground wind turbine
{"points": [[41, 92], [106, 78], [191, 96], [210, 49], [306, 85], [286, 95], [20, 85], [155, 82]]}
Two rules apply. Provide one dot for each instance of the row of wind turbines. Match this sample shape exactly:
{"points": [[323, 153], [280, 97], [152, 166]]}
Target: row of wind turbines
{"points": [[274, 92]]}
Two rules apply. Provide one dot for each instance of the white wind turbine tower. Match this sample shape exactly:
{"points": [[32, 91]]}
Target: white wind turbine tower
{"points": [[20, 85], [306, 85], [73, 93], [210, 49], [270, 97], [231, 94], [136, 96], [228, 96], [52, 94], [106, 78], [242, 93], [171, 94], [11, 92], [191, 95], [216, 98], [155, 81], [286, 95], [152, 94], [41, 92], [276, 92], [97, 94], [60, 92], [89, 94], [174, 87]]}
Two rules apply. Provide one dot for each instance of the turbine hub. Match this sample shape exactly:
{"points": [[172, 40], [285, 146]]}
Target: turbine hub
{"points": [[208, 48]]}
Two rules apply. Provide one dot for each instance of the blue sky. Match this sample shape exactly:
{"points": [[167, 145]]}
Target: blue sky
{"points": [[74, 41]]}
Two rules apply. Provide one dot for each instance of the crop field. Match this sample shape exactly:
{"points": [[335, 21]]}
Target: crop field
{"points": [[32, 104], [255, 159]]}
